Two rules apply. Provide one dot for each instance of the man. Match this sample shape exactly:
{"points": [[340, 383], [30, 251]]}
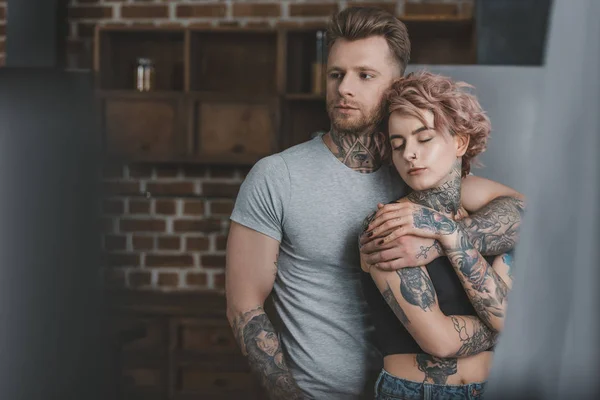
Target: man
{"points": [[299, 212]]}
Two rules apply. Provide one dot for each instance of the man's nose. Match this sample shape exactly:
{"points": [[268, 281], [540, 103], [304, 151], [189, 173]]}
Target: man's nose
{"points": [[346, 87]]}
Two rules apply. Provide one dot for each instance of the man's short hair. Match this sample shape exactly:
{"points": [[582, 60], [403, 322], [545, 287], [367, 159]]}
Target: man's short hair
{"points": [[355, 23]]}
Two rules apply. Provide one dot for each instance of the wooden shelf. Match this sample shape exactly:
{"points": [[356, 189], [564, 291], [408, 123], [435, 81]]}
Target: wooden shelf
{"points": [[305, 96], [232, 96]]}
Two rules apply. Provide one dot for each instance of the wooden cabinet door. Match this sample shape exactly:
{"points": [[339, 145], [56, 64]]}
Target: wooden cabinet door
{"points": [[234, 129], [144, 126]]}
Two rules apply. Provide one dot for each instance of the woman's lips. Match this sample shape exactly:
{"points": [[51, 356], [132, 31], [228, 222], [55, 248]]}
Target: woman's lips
{"points": [[416, 171]]}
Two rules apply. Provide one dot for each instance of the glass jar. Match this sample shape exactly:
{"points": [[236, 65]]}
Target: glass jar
{"points": [[144, 75]]}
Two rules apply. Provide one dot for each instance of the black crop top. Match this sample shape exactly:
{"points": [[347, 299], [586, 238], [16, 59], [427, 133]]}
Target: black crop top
{"points": [[390, 335]]}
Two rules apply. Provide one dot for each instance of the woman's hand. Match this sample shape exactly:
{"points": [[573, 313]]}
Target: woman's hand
{"points": [[405, 218]]}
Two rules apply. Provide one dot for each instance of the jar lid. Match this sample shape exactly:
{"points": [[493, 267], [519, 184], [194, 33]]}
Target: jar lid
{"points": [[144, 61]]}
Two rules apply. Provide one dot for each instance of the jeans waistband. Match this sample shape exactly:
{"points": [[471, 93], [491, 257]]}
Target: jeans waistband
{"points": [[391, 387]]}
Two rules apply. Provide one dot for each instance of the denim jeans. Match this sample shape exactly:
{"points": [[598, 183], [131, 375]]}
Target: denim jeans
{"points": [[389, 387]]}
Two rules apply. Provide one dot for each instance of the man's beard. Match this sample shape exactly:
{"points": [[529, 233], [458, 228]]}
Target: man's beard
{"points": [[354, 125]]}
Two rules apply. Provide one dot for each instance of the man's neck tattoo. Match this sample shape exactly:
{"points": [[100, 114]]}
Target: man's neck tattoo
{"points": [[362, 152], [444, 198]]}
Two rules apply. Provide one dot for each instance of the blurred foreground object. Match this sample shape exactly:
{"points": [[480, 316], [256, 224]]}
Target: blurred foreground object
{"points": [[549, 347]]}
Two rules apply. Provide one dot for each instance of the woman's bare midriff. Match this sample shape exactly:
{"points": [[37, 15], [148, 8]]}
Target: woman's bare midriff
{"points": [[468, 369]]}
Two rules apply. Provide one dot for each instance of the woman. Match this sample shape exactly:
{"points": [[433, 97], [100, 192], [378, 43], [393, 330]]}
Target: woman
{"points": [[439, 325]]}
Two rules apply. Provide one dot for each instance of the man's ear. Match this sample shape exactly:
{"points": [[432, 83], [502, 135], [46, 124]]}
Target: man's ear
{"points": [[462, 144]]}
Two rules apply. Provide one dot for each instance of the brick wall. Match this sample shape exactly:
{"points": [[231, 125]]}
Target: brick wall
{"points": [[166, 225]]}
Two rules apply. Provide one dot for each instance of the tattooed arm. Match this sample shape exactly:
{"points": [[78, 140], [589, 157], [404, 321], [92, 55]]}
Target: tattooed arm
{"points": [[411, 295], [486, 286], [250, 275], [494, 226]]}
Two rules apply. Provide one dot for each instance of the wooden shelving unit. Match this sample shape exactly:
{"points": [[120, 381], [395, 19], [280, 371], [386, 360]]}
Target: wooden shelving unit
{"points": [[231, 95]]}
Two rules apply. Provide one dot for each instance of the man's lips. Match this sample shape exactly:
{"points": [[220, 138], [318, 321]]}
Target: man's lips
{"points": [[344, 107]]}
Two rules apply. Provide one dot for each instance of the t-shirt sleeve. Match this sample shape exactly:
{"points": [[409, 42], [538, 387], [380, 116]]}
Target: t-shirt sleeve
{"points": [[261, 201]]}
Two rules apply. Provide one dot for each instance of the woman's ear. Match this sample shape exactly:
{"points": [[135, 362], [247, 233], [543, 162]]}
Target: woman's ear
{"points": [[462, 144]]}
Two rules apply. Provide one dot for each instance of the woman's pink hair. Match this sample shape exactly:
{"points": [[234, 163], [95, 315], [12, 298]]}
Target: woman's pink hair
{"points": [[453, 108]]}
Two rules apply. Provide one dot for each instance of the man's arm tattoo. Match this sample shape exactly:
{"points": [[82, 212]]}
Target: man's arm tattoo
{"points": [[388, 295], [494, 229], [416, 287], [509, 260], [436, 369], [259, 341], [485, 289]]}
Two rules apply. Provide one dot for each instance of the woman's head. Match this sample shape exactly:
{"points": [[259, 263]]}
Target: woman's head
{"points": [[434, 126]]}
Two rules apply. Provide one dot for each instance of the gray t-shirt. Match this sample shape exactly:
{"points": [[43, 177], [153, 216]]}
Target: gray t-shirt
{"points": [[314, 205]]}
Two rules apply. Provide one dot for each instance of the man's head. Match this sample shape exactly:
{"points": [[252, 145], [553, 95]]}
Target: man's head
{"points": [[368, 49]]}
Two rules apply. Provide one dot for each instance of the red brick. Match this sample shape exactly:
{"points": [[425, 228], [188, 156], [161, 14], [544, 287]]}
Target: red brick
{"points": [[196, 244], [312, 9], [139, 206], [145, 11], [200, 225], [75, 46], [2, 61], [86, 30], [114, 242], [2, 12], [221, 243], [142, 242], [430, 9], [164, 207], [194, 171], [219, 281], [87, 1], [201, 11], [167, 171], [140, 171], [139, 278], [168, 280], [142, 225], [107, 225], [171, 189], [220, 189], [130, 188], [193, 207], [222, 172], [256, 10], [389, 7], [2, 45], [196, 279], [176, 260], [112, 171], [113, 206], [169, 243], [224, 208], [90, 12], [2, 29], [114, 278], [212, 261], [122, 260]]}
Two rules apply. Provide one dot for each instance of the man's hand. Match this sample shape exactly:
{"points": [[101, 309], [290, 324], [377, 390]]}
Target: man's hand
{"points": [[401, 252]]}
